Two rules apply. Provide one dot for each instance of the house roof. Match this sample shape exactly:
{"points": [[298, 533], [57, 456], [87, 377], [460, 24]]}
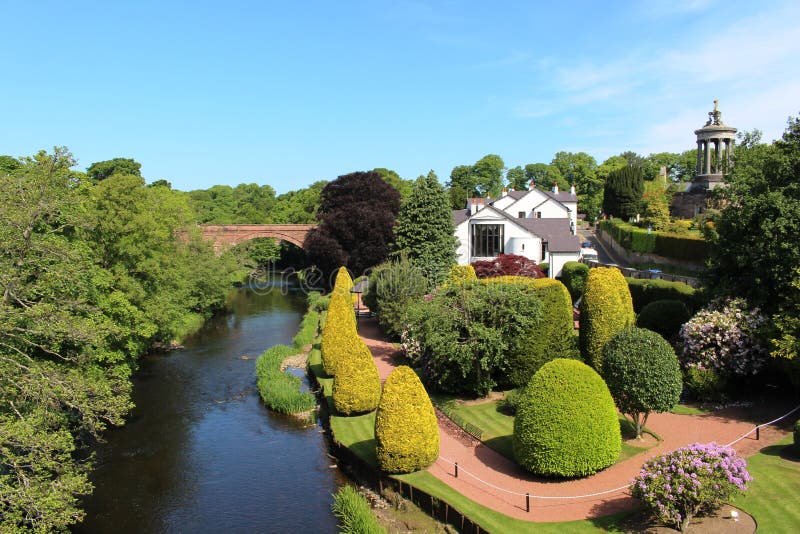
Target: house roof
{"points": [[516, 195], [459, 216], [556, 232], [561, 196]]}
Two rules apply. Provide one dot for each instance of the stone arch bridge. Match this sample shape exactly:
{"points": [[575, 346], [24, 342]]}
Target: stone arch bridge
{"points": [[224, 236]]}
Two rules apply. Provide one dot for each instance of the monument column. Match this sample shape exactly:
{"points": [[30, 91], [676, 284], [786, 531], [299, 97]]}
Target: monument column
{"points": [[706, 158], [699, 157]]}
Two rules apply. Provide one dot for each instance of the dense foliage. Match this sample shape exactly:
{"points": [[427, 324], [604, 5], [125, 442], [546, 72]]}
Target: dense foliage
{"points": [[754, 251], [462, 337], [606, 309], [424, 232], [642, 373], [644, 291], [663, 316], [281, 391], [690, 481], [339, 335], [356, 386], [725, 338], [406, 431], [460, 274], [622, 194], [566, 423], [393, 287], [573, 275], [354, 512], [356, 215], [662, 243], [551, 338], [92, 275], [507, 265]]}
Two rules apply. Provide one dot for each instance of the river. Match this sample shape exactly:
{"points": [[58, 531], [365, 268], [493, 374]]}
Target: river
{"points": [[200, 452]]}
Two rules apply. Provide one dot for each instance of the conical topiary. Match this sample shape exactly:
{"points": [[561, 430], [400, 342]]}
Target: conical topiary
{"points": [[406, 431], [566, 423], [339, 336], [344, 283], [357, 385]]}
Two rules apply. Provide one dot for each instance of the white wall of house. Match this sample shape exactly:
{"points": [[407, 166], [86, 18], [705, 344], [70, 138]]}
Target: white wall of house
{"points": [[526, 203], [516, 240], [503, 202], [557, 261]]}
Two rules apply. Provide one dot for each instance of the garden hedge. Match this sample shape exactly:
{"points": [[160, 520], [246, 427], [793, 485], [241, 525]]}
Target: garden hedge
{"points": [[566, 423], [643, 374], [406, 431], [339, 335], [553, 336], [644, 291], [356, 385], [460, 274], [664, 316], [667, 244], [606, 309], [573, 275]]}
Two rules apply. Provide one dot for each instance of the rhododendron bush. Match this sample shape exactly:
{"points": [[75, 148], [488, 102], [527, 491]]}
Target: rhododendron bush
{"points": [[725, 339], [690, 481]]}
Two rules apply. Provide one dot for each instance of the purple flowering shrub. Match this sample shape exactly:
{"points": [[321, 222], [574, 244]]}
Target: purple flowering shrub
{"points": [[690, 481], [724, 338]]}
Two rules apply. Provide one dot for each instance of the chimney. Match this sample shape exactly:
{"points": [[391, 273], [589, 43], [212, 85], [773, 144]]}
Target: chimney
{"points": [[505, 192], [572, 189], [555, 187], [532, 185]]}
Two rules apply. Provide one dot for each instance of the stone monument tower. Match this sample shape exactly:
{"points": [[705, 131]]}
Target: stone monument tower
{"points": [[715, 143]]}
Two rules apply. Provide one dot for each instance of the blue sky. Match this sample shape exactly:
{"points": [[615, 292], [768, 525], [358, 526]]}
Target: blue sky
{"points": [[287, 93]]}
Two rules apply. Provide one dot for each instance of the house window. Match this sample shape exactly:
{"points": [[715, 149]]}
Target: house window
{"points": [[544, 250], [487, 240], [538, 214], [521, 215]]}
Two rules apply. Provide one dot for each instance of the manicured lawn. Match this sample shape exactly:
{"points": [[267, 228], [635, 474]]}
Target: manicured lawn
{"points": [[772, 497], [498, 428], [685, 409]]}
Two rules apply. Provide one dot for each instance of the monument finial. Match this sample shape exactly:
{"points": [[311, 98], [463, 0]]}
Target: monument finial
{"points": [[716, 105], [715, 117]]}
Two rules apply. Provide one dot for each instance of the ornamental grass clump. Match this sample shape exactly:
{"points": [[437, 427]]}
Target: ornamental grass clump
{"points": [[354, 513], [279, 390], [690, 481], [406, 431], [357, 385]]}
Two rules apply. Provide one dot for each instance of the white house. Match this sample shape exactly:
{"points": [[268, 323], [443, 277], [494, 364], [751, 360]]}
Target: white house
{"points": [[539, 225]]}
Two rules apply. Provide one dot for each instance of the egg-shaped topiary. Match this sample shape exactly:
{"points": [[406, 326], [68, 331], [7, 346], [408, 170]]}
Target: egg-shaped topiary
{"points": [[406, 431], [357, 385], [566, 423], [606, 309], [339, 335]]}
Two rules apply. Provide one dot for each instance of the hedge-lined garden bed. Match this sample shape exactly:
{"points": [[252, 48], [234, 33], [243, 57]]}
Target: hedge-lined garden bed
{"points": [[669, 245]]}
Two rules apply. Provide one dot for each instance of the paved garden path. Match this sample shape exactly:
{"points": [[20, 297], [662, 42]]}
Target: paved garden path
{"points": [[495, 471]]}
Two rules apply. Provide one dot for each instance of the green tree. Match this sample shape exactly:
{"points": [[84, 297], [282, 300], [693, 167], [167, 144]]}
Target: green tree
{"points": [[485, 176], [643, 374], [402, 186], [622, 195], [515, 177], [544, 175], [297, 207], [425, 230], [104, 169], [580, 169]]}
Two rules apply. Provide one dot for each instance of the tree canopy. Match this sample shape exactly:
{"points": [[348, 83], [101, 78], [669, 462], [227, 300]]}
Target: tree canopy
{"points": [[103, 169]]}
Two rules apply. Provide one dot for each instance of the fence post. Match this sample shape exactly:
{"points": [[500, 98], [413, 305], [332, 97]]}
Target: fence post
{"points": [[527, 502], [758, 433], [456, 469]]}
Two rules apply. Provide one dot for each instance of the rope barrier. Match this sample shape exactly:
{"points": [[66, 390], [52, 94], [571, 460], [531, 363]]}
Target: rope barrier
{"points": [[460, 469]]}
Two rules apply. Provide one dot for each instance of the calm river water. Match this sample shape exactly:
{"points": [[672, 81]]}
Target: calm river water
{"points": [[201, 453]]}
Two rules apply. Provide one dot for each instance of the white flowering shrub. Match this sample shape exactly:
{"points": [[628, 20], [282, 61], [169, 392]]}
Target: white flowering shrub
{"points": [[724, 338]]}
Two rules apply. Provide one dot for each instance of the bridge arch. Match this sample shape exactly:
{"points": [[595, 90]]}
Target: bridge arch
{"points": [[224, 236]]}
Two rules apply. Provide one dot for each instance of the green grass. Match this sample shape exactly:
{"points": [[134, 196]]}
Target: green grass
{"points": [[685, 409], [280, 390], [308, 330], [772, 497], [498, 428], [354, 513]]}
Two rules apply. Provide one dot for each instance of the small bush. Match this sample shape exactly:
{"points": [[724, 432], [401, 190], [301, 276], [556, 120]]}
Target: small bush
{"points": [[507, 265], [705, 385], [356, 386], [664, 317], [566, 423], [393, 287], [642, 373], [279, 390], [573, 275], [606, 308], [510, 402], [690, 481], [354, 513], [339, 333], [317, 302], [643, 292], [406, 430], [308, 330], [460, 274]]}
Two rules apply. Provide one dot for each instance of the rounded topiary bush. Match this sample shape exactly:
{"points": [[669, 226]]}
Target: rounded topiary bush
{"points": [[551, 338], [406, 431], [566, 423], [357, 385], [606, 309], [574, 274], [339, 334], [664, 316], [643, 374]]}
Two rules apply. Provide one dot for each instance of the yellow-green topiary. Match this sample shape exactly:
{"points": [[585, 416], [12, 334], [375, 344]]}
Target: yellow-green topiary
{"points": [[406, 432], [460, 274], [606, 309], [339, 335], [344, 283], [356, 386]]}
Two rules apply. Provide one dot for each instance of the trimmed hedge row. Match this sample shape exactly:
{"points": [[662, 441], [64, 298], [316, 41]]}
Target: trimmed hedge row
{"points": [[357, 385], [643, 292], [406, 431], [280, 390], [606, 309], [669, 245], [553, 336], [566, 423], [573, 275]]}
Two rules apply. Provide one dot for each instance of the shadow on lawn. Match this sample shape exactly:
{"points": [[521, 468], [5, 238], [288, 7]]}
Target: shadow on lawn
{"points": [[785, 452]]}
